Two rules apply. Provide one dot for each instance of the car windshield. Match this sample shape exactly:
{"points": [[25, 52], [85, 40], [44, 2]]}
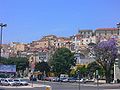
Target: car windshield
{"points": [[10, 80], [22, 80], [16, 80]]}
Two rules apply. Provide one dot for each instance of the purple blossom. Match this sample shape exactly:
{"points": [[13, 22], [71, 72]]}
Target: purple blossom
{"points": [[108, 46]]}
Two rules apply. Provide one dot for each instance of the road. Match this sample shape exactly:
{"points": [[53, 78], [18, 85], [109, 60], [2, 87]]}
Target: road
{"points": [[75, 86], [66, 86]]}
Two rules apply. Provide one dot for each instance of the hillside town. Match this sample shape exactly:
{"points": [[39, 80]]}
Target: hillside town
{"points": [[59, 45], [41, 49]]}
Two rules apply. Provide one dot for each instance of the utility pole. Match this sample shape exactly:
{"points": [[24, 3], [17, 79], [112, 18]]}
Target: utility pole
{"points": [[79, 78], [1, 25]]}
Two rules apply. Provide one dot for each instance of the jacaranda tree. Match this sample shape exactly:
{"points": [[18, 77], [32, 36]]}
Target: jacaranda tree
{"points": [[105, 54]]}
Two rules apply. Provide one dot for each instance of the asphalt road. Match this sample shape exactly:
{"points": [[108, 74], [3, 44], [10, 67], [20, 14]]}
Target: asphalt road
{"points": [[67, 86]]}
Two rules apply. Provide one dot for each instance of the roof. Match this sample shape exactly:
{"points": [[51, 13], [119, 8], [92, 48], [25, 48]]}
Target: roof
{"points": [[85, 30], [107, 29]]}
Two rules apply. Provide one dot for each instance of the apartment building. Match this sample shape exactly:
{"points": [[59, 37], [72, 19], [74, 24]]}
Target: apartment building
{"points": [[107, 31], [5, 50], [63, 42], [78, 41], [45, 42], [103, 34], [86, 33], [17, 46]]}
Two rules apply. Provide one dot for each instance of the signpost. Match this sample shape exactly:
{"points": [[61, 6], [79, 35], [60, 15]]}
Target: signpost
{"points": [[97, 79], [79, 78]]}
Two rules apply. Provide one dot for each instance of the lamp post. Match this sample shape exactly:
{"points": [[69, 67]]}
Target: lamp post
{"points": [[79, 78], [97, 77], [1, 25], [118, 26], [115, 70]]}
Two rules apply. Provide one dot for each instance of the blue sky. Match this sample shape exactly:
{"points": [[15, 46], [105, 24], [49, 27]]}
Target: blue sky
{"points": [[29, 20]]}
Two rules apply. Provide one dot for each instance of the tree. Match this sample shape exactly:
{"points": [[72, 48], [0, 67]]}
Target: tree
{"points": [[83, 70], [62, 60], [20, 62], [92, 67], [105, 54], [42, 66]]}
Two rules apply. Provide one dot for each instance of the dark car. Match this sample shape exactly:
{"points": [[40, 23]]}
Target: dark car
{"points": [[63, 79], [72, 79]]}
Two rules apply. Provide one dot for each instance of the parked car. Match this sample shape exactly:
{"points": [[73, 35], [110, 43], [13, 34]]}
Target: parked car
{"points": [[17, 82], [82, 80], [63, 79], [55, 79], [7, 82], [72, 79], [11, 82], [21, 82], [3, 82]]}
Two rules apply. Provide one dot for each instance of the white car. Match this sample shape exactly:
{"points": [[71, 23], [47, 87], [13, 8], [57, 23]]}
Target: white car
{"points": [[82, 80], [11, 82], [21, 82], [7, 82]]}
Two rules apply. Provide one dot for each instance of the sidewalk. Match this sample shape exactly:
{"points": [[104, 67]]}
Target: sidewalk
{"points": [[29, 86], [102, 85]]}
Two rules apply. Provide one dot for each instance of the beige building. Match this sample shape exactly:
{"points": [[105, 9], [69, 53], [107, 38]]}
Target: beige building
{"points": [[45, 42], [41, 44], [103, 34], [107, 31], [63, 42], [18, 46], [86, 33]]}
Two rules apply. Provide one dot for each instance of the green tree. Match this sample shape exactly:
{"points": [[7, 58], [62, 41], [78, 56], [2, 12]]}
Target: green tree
{"points": [[20, 62], [62, 60], [42, 66], [83, 70], [92, 67]]}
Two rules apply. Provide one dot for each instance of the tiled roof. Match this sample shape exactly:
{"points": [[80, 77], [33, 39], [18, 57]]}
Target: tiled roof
{"points": [[85, 30], [107, 29]]}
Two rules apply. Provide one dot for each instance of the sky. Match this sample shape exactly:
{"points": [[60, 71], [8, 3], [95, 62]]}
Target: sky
{"points": [[29, 20]]}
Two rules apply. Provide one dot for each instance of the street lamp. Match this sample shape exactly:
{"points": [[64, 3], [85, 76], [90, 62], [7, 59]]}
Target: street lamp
{"points": [[1, 25], [79, 77], [115, 70], [118, 26]]}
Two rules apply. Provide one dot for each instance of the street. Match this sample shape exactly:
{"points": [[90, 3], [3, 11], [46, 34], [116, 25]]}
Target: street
{"points": [[65, 86]]}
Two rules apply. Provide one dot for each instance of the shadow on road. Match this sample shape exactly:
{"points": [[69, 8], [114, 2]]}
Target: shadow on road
{"points": [[2, 89]]}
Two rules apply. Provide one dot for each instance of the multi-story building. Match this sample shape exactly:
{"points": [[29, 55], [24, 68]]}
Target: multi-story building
{"points": [[103, 34], [63, 42], [43, 55], [86, 33], [18, 46], [107, 31], [46, 42], [78, 41], [5, 51], [86, 41], [15, 49]]}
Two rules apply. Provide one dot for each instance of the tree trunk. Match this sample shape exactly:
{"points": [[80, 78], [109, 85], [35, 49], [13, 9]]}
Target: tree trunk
{"points": [[108, 76]]}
